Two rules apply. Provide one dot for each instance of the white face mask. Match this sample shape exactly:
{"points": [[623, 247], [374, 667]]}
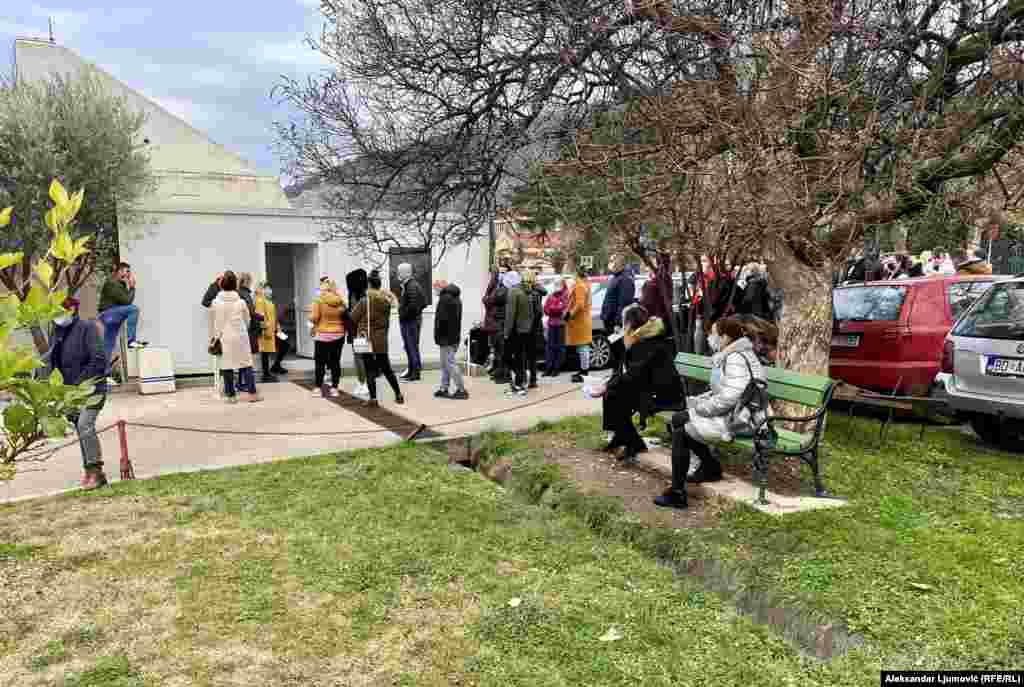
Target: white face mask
{"points": [[715, 342], [268, 294], [63, 321]]}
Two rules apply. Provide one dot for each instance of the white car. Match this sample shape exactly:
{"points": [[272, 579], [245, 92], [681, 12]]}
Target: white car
{"points": [[982, 373]]}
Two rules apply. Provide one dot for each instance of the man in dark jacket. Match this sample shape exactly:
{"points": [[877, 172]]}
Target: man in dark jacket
{"points": [[536, 293], [447, 333], [77, 351], [619, 296], [752, 293], [117, 307], [518, 327], [410, 320]]}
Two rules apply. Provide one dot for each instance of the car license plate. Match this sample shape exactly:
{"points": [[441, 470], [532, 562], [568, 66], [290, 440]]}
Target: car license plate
{"points": [[1005, 367], [846, 341]]}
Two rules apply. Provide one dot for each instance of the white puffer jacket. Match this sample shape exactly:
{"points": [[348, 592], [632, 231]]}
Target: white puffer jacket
{"points": [[714, 415]]}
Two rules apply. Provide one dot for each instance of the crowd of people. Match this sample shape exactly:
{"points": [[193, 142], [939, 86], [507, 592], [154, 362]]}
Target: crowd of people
{"points": [[863, 268]]}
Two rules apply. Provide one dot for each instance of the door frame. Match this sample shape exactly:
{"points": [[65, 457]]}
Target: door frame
{"points": [[295, 242]]}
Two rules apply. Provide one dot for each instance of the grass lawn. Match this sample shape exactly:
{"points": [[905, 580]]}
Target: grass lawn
{"points": [[384, 567], [923, 568]]}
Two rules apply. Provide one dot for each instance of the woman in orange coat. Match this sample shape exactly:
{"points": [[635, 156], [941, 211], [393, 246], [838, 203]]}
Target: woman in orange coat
{"points": [[579, 323]]}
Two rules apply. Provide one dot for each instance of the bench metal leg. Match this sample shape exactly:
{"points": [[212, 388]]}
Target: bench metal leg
{"points": [[819, 487], [761, 476]]}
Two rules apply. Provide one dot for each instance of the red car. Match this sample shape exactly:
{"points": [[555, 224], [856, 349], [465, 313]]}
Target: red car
{"points": [[888, 335]]}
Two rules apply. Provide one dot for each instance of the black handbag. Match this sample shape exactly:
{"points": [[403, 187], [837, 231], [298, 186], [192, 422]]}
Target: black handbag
{"points": [[215, 347]]}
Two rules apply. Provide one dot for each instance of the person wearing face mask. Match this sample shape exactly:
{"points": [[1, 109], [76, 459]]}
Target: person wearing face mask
{"points": [[579, 331], [78, 352], [270, 343], [716, 416], [619, 295]]}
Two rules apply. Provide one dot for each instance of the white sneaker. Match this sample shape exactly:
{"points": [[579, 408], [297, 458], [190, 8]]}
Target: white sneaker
{"points": [[334, 392], [112, 382], [138, 344]]}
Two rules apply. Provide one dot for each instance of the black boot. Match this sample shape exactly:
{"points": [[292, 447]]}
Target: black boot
{"points": [[672, 499], [614, 444]]}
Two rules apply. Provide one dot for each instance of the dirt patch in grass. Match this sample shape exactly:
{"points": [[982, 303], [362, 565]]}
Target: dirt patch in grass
{"points": [[784, 476], [594, 472]]}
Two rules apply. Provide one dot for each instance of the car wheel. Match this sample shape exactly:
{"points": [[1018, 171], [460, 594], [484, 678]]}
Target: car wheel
{"points": [[600, 352], [987, 428], [1012, 435]]}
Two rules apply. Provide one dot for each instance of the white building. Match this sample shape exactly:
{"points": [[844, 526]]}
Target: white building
{"points": [[215, 211]]}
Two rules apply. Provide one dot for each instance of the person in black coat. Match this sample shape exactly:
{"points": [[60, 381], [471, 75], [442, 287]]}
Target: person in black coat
{"points": [[447, 335], [650, 378], [411, 304], [357, 284], [620, 295], [752, 293]]}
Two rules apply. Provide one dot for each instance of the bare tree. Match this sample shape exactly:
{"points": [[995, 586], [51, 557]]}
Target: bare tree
{"points": [[434, 108], [840, 117]]}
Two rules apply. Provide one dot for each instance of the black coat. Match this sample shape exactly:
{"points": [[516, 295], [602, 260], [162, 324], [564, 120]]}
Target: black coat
{"points": [[412, 302], [448, 317], [357, 284], [211, 293], [754, 299], [621, 294], [650, 377], [78, 353]]}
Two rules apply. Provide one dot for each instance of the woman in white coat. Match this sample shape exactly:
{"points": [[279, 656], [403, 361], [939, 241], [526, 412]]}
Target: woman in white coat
{"points": [[231, 328], [716, 416]]}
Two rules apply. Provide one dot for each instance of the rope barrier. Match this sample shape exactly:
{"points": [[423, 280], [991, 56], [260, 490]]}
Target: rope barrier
{"points": [[238, 432]]}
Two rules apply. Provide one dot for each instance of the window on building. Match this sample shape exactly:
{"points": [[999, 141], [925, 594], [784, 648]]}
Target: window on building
{"points": [[422, 270]]}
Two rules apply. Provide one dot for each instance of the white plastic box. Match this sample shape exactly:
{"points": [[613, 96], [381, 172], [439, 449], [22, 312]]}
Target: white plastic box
{"points": [[156, 370]]}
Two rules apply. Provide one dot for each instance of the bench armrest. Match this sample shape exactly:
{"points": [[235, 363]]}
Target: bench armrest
{"points": [[768, 426]]}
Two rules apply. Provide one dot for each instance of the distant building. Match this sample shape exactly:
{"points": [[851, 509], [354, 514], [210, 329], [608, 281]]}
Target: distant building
{"points": [[213, 211]]}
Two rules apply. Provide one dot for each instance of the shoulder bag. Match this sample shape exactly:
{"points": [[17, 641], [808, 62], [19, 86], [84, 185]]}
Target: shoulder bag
{"points": [[756, 401], [361, 344]]}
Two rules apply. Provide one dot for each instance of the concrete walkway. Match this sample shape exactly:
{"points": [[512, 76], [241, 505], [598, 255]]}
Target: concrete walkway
{"points": [[287, 408]]}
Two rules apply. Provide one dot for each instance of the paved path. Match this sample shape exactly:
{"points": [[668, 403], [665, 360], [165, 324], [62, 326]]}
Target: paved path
{"points": [[287, 409]]}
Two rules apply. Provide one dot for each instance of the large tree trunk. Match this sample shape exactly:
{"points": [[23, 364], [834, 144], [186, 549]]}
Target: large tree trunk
{"points": [[805, 331]]}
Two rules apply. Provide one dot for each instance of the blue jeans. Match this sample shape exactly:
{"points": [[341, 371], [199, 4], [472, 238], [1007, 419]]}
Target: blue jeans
{"points": [[112, 318], [450, 372], [411, 342], [554, 350], [246, 381]]}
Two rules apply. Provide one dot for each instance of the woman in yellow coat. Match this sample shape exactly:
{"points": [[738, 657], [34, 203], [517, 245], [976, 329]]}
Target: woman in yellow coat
{"points": [[579, 327], [269, 343]]}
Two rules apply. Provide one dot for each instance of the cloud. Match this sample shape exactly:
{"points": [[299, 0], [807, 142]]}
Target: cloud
{"points": [[293, 53]]}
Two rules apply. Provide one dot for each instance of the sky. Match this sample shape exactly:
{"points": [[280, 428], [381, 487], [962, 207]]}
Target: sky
{"points": [[211, 63]]}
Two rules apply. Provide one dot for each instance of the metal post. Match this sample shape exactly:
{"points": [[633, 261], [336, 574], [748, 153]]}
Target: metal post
{"points": [[127, 472]]}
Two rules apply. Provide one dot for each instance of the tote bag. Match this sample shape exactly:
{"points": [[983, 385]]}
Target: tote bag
{"points": [[361, 344]]}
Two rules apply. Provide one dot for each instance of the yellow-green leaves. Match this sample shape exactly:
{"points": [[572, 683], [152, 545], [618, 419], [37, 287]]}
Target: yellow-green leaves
{"points": [[44, 271], [58, 194], [5, 217], [65, 208], [8, 259], [66, 249]]}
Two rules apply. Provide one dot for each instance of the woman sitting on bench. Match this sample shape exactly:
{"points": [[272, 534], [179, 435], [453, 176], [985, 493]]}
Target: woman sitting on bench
{"points": [[650, 379], [716, 416]]}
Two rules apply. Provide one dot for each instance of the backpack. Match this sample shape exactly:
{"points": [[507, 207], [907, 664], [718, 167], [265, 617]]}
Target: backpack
{"points": [[536, 308]]}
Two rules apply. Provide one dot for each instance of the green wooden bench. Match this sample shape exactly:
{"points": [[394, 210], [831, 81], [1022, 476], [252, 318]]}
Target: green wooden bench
{"points": [[783, 385]]}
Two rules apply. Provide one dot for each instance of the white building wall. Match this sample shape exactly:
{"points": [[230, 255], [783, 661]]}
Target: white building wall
{"points": [[176, 261]]}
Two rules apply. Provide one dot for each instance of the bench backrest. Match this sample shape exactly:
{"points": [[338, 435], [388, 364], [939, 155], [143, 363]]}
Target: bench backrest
{"points": [[785, 385]]}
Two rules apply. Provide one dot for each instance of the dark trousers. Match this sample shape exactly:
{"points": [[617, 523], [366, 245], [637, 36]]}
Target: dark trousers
{"points": [[518, 346], [327, 356], [411, 342], [617, 417], [500, 361], [618, 351], [278, 356], [682, 445], [554, 349], [379, 364], [246, 381]]}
